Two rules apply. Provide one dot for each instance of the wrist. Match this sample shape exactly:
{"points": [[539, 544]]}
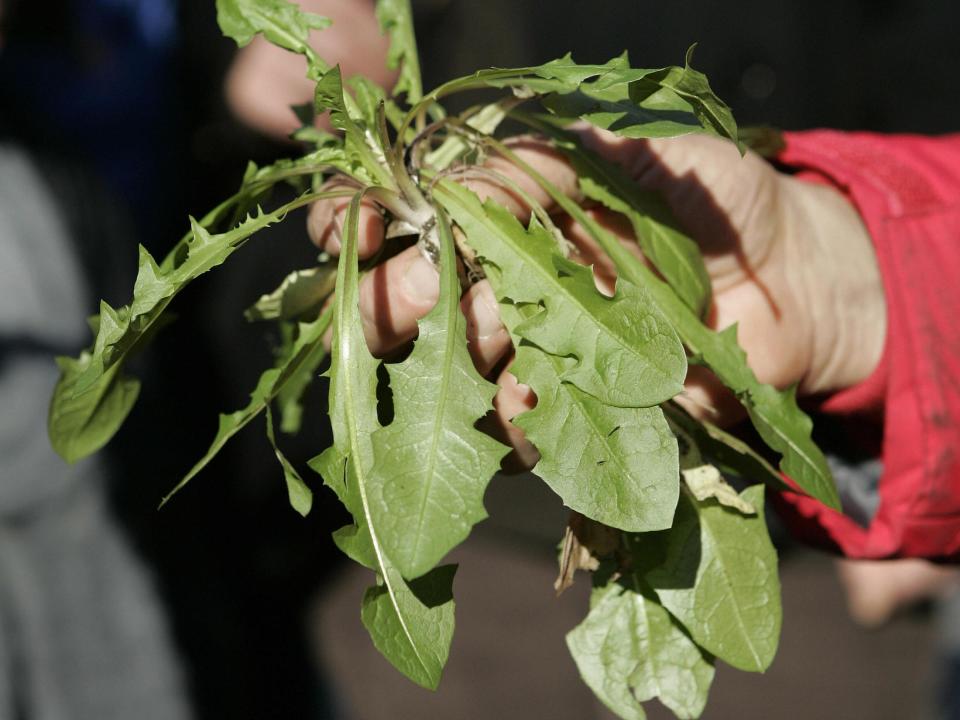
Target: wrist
{"points": [[839, 284]]}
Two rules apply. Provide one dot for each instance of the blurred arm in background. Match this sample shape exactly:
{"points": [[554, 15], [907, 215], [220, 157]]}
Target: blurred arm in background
{"points": [[264, 80]]}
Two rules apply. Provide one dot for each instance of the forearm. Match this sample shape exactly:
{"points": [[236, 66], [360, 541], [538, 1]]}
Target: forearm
{"points": [[907, 190]]}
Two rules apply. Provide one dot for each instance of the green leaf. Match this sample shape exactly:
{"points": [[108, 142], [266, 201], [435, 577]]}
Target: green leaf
{"points": [[411, 635], [300, 495], [300, 357], [627, 354], [396, 19], [152, 286], [364, 152], [154, 290], [615, 465], [411, 623], [563, 75], [92, 398], [637, 103], [431, 465], [628, 650], [353, 540], [775, 414], [619, 114], [648, 103], [282, 23], [331, 155], [631, 102], [369, 96], [485, 121], [353, 385], [676, 257], [80, 424], [729, 453], [301, 292], [719, 579], [692, 86], [290, 393]]}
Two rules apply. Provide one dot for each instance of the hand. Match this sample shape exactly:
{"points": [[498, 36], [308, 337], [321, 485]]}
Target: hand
{"points": [[790, 262], [263, 80], [395, 294]]}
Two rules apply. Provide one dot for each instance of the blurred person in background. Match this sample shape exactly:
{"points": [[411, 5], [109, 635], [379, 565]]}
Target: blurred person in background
{"points": [[82, 631], [113, 128]]}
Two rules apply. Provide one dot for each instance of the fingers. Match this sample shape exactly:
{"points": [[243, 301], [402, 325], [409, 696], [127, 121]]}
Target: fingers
{"points": [[656, 162], [326, 217], [718, 196], [262, 83], [706, 398], [487, 339], [588, 252], [543, 159], [325, 224], [397, 293], [511, 400], [393, 296]]}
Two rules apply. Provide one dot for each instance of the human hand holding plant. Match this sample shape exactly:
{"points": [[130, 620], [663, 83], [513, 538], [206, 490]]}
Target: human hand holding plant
{"points": [[684, 571], [789, 262]]}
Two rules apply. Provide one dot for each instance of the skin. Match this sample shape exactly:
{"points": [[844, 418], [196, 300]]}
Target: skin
{"points": [[264, 80], [791, 262], [878, 589]]}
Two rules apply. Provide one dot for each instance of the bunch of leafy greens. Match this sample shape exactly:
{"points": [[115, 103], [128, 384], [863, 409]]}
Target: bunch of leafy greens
{"points": [[684, 571]]}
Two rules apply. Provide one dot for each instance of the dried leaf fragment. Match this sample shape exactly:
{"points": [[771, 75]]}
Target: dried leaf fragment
{"points": [[585, 542], [705, 481]]}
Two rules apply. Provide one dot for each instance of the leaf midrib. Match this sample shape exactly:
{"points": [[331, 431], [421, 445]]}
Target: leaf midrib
{"points": [[554, 281], [639, 274], [440, 415], [580, 403], [730, 584], [348, 311], [824, 486]]}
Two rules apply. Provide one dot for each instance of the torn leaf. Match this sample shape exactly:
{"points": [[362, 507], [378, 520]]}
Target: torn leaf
{"points": [[706, 482]]}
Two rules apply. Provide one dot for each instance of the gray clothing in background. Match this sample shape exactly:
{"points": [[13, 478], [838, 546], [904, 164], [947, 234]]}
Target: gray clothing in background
{"points": [[82, 633]]}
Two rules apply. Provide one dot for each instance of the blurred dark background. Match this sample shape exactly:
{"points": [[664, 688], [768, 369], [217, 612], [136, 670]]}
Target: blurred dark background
{"points": [[120, 103]]}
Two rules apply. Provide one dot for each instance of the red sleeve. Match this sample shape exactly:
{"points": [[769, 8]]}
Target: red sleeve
{"points": [[907, 189]]}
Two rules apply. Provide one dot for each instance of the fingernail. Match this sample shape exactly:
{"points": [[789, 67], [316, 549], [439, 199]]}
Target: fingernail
{"points": [[421, 281], [486, 315]]}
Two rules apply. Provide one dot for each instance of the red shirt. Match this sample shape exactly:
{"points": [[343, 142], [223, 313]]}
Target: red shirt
{"points": [[907, 189]]}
